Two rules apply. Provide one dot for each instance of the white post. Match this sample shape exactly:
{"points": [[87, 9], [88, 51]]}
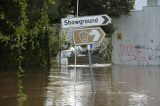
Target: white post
{"points": [[60, 34], [77, 7], [75, 73], [75, 46], [90, 66]]}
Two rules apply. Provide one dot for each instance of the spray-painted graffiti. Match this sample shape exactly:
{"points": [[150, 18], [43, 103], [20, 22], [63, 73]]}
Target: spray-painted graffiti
{"points": [[139, 54], [129, 53]]}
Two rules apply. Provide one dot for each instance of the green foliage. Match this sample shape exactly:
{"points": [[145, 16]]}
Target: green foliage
{"points": [[114, 8], [21, 95], [24, 23], [54, 41], [22, 31], [59, 9]]}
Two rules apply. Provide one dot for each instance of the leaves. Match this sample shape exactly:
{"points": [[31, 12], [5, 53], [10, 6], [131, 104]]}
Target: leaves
{"points": [[113, 8], [23, 24]]}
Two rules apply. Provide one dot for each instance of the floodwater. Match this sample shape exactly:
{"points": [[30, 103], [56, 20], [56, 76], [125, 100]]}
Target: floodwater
{"points": [[113, 86]]}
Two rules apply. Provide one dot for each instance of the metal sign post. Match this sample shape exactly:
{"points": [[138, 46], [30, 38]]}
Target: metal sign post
{"points": [[75, 71], [90, 67], [86, 36]]}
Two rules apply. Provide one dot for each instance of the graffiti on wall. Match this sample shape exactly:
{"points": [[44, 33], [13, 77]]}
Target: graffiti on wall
{"points": [[129, 53], [139, 54]]}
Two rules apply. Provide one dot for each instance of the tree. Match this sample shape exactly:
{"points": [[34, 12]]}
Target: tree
{"points": [[114, 8], [22, 31], [24, 23], [60, 9]]}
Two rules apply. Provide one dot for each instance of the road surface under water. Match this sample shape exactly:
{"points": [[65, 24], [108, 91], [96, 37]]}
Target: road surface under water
{"points": [[113, 86]]}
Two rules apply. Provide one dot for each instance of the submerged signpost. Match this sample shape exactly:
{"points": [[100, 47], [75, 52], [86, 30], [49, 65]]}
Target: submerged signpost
{"points": [[87, 36]]}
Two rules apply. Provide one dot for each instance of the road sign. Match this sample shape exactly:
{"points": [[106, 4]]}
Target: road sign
{"points": [[85, 21], [88, 36]]}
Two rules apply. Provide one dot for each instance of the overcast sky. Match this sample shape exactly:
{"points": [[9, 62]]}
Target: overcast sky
{"points": [[139, 4]]}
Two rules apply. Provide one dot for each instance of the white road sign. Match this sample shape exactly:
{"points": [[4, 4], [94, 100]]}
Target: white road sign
{"points": [[85, 21]]}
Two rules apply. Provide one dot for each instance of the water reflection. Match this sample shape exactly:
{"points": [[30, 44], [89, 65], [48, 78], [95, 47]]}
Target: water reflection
{"points": [[138, 99], [63, 91], [60, 89], [141, 84], [8, 88], [21, 96], [114, 86], [23, 88]]}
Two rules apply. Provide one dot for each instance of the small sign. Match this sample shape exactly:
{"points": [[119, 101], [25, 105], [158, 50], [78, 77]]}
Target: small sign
{"points": [[86, 21], [88, 36]]}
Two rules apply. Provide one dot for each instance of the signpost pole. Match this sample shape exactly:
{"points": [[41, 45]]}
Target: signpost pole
{"points": [[86, 36], [75, 46], [75, 75], [60, 34], [75, 72], [77, 7], [75, 60], [90, 67]]}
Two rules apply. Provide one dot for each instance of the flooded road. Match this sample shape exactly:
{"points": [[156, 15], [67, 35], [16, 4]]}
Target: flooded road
{"points": [[113, 86]]}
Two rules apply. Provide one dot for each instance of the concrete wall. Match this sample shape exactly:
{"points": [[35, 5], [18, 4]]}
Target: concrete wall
{"points": [[139, 4], [137, 38], [158, 2], [152, 2]]}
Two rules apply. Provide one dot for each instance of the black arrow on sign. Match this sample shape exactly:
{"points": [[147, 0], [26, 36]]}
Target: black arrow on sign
{"points": [[105, 19]]}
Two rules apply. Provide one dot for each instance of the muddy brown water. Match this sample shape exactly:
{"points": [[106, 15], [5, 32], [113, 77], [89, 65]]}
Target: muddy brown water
{"points": [[113, 86]]}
